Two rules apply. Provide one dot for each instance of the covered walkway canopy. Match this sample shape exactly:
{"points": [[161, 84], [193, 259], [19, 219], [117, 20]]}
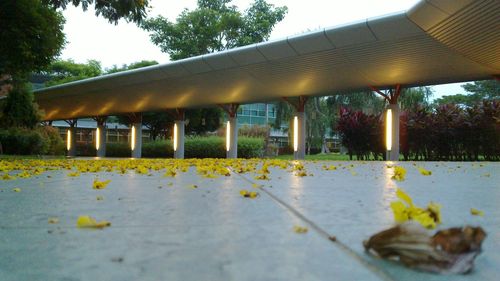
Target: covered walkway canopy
{"points": [[435, 42]]}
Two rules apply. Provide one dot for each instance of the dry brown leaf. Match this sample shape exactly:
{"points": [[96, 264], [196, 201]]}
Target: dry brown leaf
{"points": [[449, 251]]}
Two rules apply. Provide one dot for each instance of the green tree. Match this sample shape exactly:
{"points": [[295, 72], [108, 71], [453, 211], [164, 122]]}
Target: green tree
{"points": [[64, 71], [19, 109], [134, 65], [481, 90], [412, 98], [31, 36], [478, 91], [112, 10], [213, 26]]}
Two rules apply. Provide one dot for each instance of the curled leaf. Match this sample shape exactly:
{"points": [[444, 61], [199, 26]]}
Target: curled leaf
{"points": [[447, 251]]}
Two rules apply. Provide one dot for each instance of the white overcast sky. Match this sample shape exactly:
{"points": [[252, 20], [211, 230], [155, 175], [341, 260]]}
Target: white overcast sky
{"points": [[91, 37]]}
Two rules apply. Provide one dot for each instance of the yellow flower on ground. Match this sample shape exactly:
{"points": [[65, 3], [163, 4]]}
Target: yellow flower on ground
{"points": [[6, 176], [329, 168], [300, 229], [89, 222], [399, 173], [476, 212], [170, 173], [74, 174], [405, 210], [301, 173], [424, 172], [100, 184], [249, 194], [193, 186], [17, 189], [24, 174], [262, 177]]}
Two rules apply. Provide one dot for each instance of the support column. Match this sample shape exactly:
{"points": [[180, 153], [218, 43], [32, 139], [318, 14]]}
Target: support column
{"points": [[392, 132], [231, 130], [136, 135], [100, 140], [391, 122], [299, 127], [71, 137], [299, 147], [179, 128]]}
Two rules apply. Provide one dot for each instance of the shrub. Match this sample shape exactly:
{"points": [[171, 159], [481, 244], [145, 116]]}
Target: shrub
{"points": [[18, 141], [56, 144], [120, 149], [359, 133], [194, 147]]}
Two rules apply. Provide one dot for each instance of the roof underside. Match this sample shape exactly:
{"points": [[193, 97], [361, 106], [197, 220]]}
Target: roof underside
{"points": [[435, 42]]}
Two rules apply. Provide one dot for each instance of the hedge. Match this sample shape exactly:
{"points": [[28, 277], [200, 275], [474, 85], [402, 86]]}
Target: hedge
{"points": [[23, 142], [194, 147]]}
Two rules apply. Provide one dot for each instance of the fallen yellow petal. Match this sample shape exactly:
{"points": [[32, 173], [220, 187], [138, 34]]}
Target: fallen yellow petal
{"points": [[53, 220], [424, 172], [100, 184], [403, 196], [300, 229], [89, 222], [399, 173], [476, 212], [99, 198], [17, 189]]}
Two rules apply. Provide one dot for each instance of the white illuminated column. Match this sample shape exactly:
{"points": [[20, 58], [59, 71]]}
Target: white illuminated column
{"points": [[136, 139], [71, 141], [179, 139], [299, 136], [232, 138], [100, 140], [392, 132]]}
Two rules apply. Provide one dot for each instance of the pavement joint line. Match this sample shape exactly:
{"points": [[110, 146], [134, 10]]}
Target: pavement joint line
{"points": [[373, 268]]}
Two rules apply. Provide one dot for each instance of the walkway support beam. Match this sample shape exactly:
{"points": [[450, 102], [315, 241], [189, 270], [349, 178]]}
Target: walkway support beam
{"points": [[100, 136], [392, 115], [299, 127], [136, 134], [178, 137], [231, 130], [71, 137]]}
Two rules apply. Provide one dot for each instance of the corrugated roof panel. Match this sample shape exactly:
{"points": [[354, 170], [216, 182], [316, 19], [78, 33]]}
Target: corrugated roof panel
{"points": [[219, 61], [310, 43], [451, 6], [426, 15], [357, 33], [276, 50], [196, 65], [246, 55], [394, 27]]}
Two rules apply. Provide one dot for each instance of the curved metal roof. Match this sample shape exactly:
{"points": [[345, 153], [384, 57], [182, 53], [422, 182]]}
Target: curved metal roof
{"points": [[436, 41]]}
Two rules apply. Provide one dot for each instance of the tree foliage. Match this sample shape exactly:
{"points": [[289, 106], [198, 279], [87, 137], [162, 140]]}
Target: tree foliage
{"points": [[19, 109], [112, 10], [213, 26], [31, 36], [64, 71], [478, 91]]}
